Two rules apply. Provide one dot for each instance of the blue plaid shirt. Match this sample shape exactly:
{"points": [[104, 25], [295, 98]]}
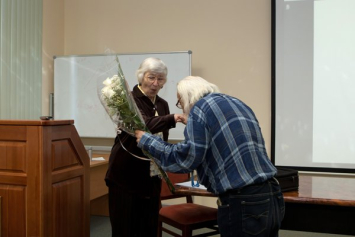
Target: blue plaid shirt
{"points": [[223, 143]]}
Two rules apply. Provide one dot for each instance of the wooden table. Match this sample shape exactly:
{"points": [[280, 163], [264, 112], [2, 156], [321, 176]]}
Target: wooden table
{"points": [[324, 204], [98, 188]]}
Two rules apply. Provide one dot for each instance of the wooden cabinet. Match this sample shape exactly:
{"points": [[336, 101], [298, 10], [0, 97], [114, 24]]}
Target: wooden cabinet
{"points": [[44, 179]]}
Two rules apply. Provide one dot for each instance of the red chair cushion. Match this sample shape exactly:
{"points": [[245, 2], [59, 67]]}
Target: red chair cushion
{"points": [[188, 213]]}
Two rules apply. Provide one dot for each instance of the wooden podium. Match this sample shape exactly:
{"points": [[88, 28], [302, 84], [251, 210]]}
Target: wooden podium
{"points": [[44, 179]]}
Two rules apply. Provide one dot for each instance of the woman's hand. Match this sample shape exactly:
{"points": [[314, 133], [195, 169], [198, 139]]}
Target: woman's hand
{"points": [[139, 135], [180, 118]]}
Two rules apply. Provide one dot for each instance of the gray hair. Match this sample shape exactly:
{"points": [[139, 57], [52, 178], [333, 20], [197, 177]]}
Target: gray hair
{"points": [[154, 65], [191, 89]]}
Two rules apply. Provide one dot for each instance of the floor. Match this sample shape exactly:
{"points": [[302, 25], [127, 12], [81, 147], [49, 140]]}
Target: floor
{"points": [[100, 227]]}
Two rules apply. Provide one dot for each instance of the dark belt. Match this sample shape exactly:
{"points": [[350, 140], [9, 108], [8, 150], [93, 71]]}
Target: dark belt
{"points": [[239, 190]]}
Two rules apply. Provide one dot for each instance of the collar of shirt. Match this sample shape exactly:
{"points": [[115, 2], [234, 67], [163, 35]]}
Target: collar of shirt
{"points": [[153, 100]]}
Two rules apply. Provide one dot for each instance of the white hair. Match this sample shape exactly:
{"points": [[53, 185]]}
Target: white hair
{"points": [[154, 65], [191, 89]]}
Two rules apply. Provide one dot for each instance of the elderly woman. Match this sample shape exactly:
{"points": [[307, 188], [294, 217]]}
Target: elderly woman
{"points": [[134, 189], [224, 143]]}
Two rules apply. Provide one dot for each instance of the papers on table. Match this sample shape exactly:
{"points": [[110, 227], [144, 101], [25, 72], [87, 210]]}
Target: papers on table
{"points": [[188, 184], [97, 158]]}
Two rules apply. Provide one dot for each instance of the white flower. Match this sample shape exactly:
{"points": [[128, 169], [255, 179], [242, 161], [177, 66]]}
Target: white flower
{"points": [[107, 91], [108, 81]]}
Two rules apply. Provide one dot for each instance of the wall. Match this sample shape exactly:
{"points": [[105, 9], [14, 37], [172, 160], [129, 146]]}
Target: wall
{"points": [[230, 41], [52, 44]]}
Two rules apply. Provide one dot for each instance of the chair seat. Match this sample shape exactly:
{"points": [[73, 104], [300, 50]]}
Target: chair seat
{"points": [[188, 213], [186, 216]]}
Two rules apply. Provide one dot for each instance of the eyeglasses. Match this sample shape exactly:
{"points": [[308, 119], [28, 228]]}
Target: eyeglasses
{"points": [[152, 78], [178, 104]]}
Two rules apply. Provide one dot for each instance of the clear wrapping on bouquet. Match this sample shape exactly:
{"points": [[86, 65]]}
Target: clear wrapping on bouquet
{"points": [[118, 102], [116, 97]]}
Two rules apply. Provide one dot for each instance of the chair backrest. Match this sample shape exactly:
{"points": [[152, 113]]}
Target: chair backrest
{"points": [[174, 178]]}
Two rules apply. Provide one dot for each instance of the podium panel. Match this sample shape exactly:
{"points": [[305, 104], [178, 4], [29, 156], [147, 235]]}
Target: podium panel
{"points": [[44, 179]]}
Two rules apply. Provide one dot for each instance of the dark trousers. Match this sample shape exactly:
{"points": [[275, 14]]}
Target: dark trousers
{"points": [[132, 215], [256, 210]]}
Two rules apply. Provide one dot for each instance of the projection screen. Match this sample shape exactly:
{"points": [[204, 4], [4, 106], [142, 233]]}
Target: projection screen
{"points": [[313, 74]]}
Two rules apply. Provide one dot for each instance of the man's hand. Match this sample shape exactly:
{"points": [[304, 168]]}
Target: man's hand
{"points": [[139, 135]]}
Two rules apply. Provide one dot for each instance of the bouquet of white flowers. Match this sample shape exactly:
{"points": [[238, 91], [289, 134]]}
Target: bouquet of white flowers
{"points": [[120, 105], [118, 101]]}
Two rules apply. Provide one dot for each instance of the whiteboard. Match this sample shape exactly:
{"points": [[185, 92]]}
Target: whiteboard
{"points": [[77, 77]]}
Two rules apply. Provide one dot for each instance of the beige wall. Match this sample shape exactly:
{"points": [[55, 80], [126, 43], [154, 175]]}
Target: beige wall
{"points": [[52, 44], [230, 40]]}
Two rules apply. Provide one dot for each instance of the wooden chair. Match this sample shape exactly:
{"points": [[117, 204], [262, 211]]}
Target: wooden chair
{"points": [[186, 216]]}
